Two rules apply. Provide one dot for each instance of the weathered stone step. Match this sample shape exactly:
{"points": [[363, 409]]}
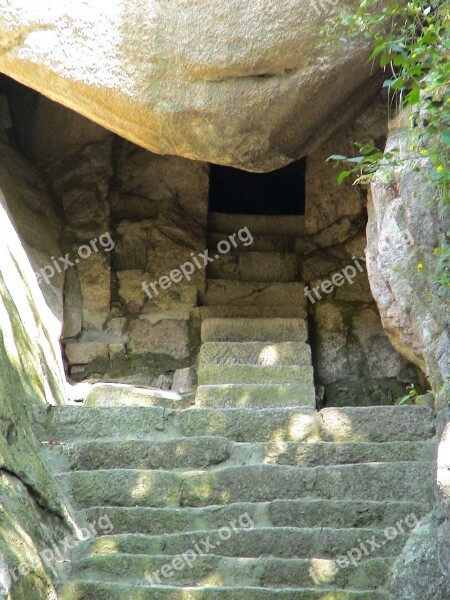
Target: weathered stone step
{"points": [[261, 243], [116, 394], [245, 293], [255, 266], [218, 571], [352, 424], [292, 542], [291, 225], [183, 453], [278, 513], [255, 396], [257, 330], [260, 483], [222, 374], [207, 452], [87, 590], [254, 353], [229, 311]]}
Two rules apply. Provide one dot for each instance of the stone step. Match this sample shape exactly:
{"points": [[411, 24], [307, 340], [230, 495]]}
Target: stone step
{"points": [[255, 396], [254, 330], [90, 590], [254, 353], [229, 311], [261, 243], [352, 424], [255, 266], [116, 394], [182, 453], [208, 452], [291, 225], [222, 374], [218, 571], [288, 543], [278, 513], [247, 293], [253, 483]]}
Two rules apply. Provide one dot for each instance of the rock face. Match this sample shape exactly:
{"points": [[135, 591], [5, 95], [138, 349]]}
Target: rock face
{"points": [[227, 83], [405, 227], [404, 230], [34, 514], [29, 203]]}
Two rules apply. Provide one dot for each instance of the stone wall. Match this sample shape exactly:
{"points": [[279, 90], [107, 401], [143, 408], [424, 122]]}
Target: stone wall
{"points": [[355, 363], [146, 214], [135, 216]]}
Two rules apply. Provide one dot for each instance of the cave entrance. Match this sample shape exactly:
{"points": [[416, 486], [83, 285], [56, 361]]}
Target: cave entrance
{"points": [[280, 192]]}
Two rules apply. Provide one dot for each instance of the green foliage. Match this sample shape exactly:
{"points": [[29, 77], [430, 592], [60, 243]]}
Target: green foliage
{"points": [[412, 44], [413, 394]]}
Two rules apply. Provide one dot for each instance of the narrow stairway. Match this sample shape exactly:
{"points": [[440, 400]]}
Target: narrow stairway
{"points": [[255, 349], [273, 496], [250, 493]]}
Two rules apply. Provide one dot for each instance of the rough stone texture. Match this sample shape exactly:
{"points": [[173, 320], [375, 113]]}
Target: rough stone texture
{"points": [[34, 216], [252, 374], [258, 330], [34, 513], [94, 276], [184, 380], [73, 305], [255, 395], [405, 226], [128, 217], [420, 556], [232, 88], [354, 359], [169, 337], [404, 229], [113, 394], [254, 353], [86, 590], [85, 352], [254, 266]]}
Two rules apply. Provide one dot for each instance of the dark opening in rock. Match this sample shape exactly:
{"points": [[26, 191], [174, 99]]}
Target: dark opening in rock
{"points": [[280, 192]]}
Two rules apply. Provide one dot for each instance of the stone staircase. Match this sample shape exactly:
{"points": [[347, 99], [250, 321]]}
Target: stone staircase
{"points": [[272, 496], [255, 348], [249, 493]]}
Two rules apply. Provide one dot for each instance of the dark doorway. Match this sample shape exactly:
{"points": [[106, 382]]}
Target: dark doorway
{"points": [[280, 192]]}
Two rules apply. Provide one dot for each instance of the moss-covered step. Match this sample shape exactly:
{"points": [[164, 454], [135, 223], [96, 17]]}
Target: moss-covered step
{"points": [[218, 571], [259, 483], [179, 453], [368, 424], [235, 395], [90, 590], [278, 513], [209, 452], [222, 374], [288, 543], [354, 424]]}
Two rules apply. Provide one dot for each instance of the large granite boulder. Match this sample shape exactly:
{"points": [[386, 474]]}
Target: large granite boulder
{"points": [[406, 228], [405, 231], [250, 84]]}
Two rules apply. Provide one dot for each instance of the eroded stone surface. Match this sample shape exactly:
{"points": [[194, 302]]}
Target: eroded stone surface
{"points": [[226, 83]]}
